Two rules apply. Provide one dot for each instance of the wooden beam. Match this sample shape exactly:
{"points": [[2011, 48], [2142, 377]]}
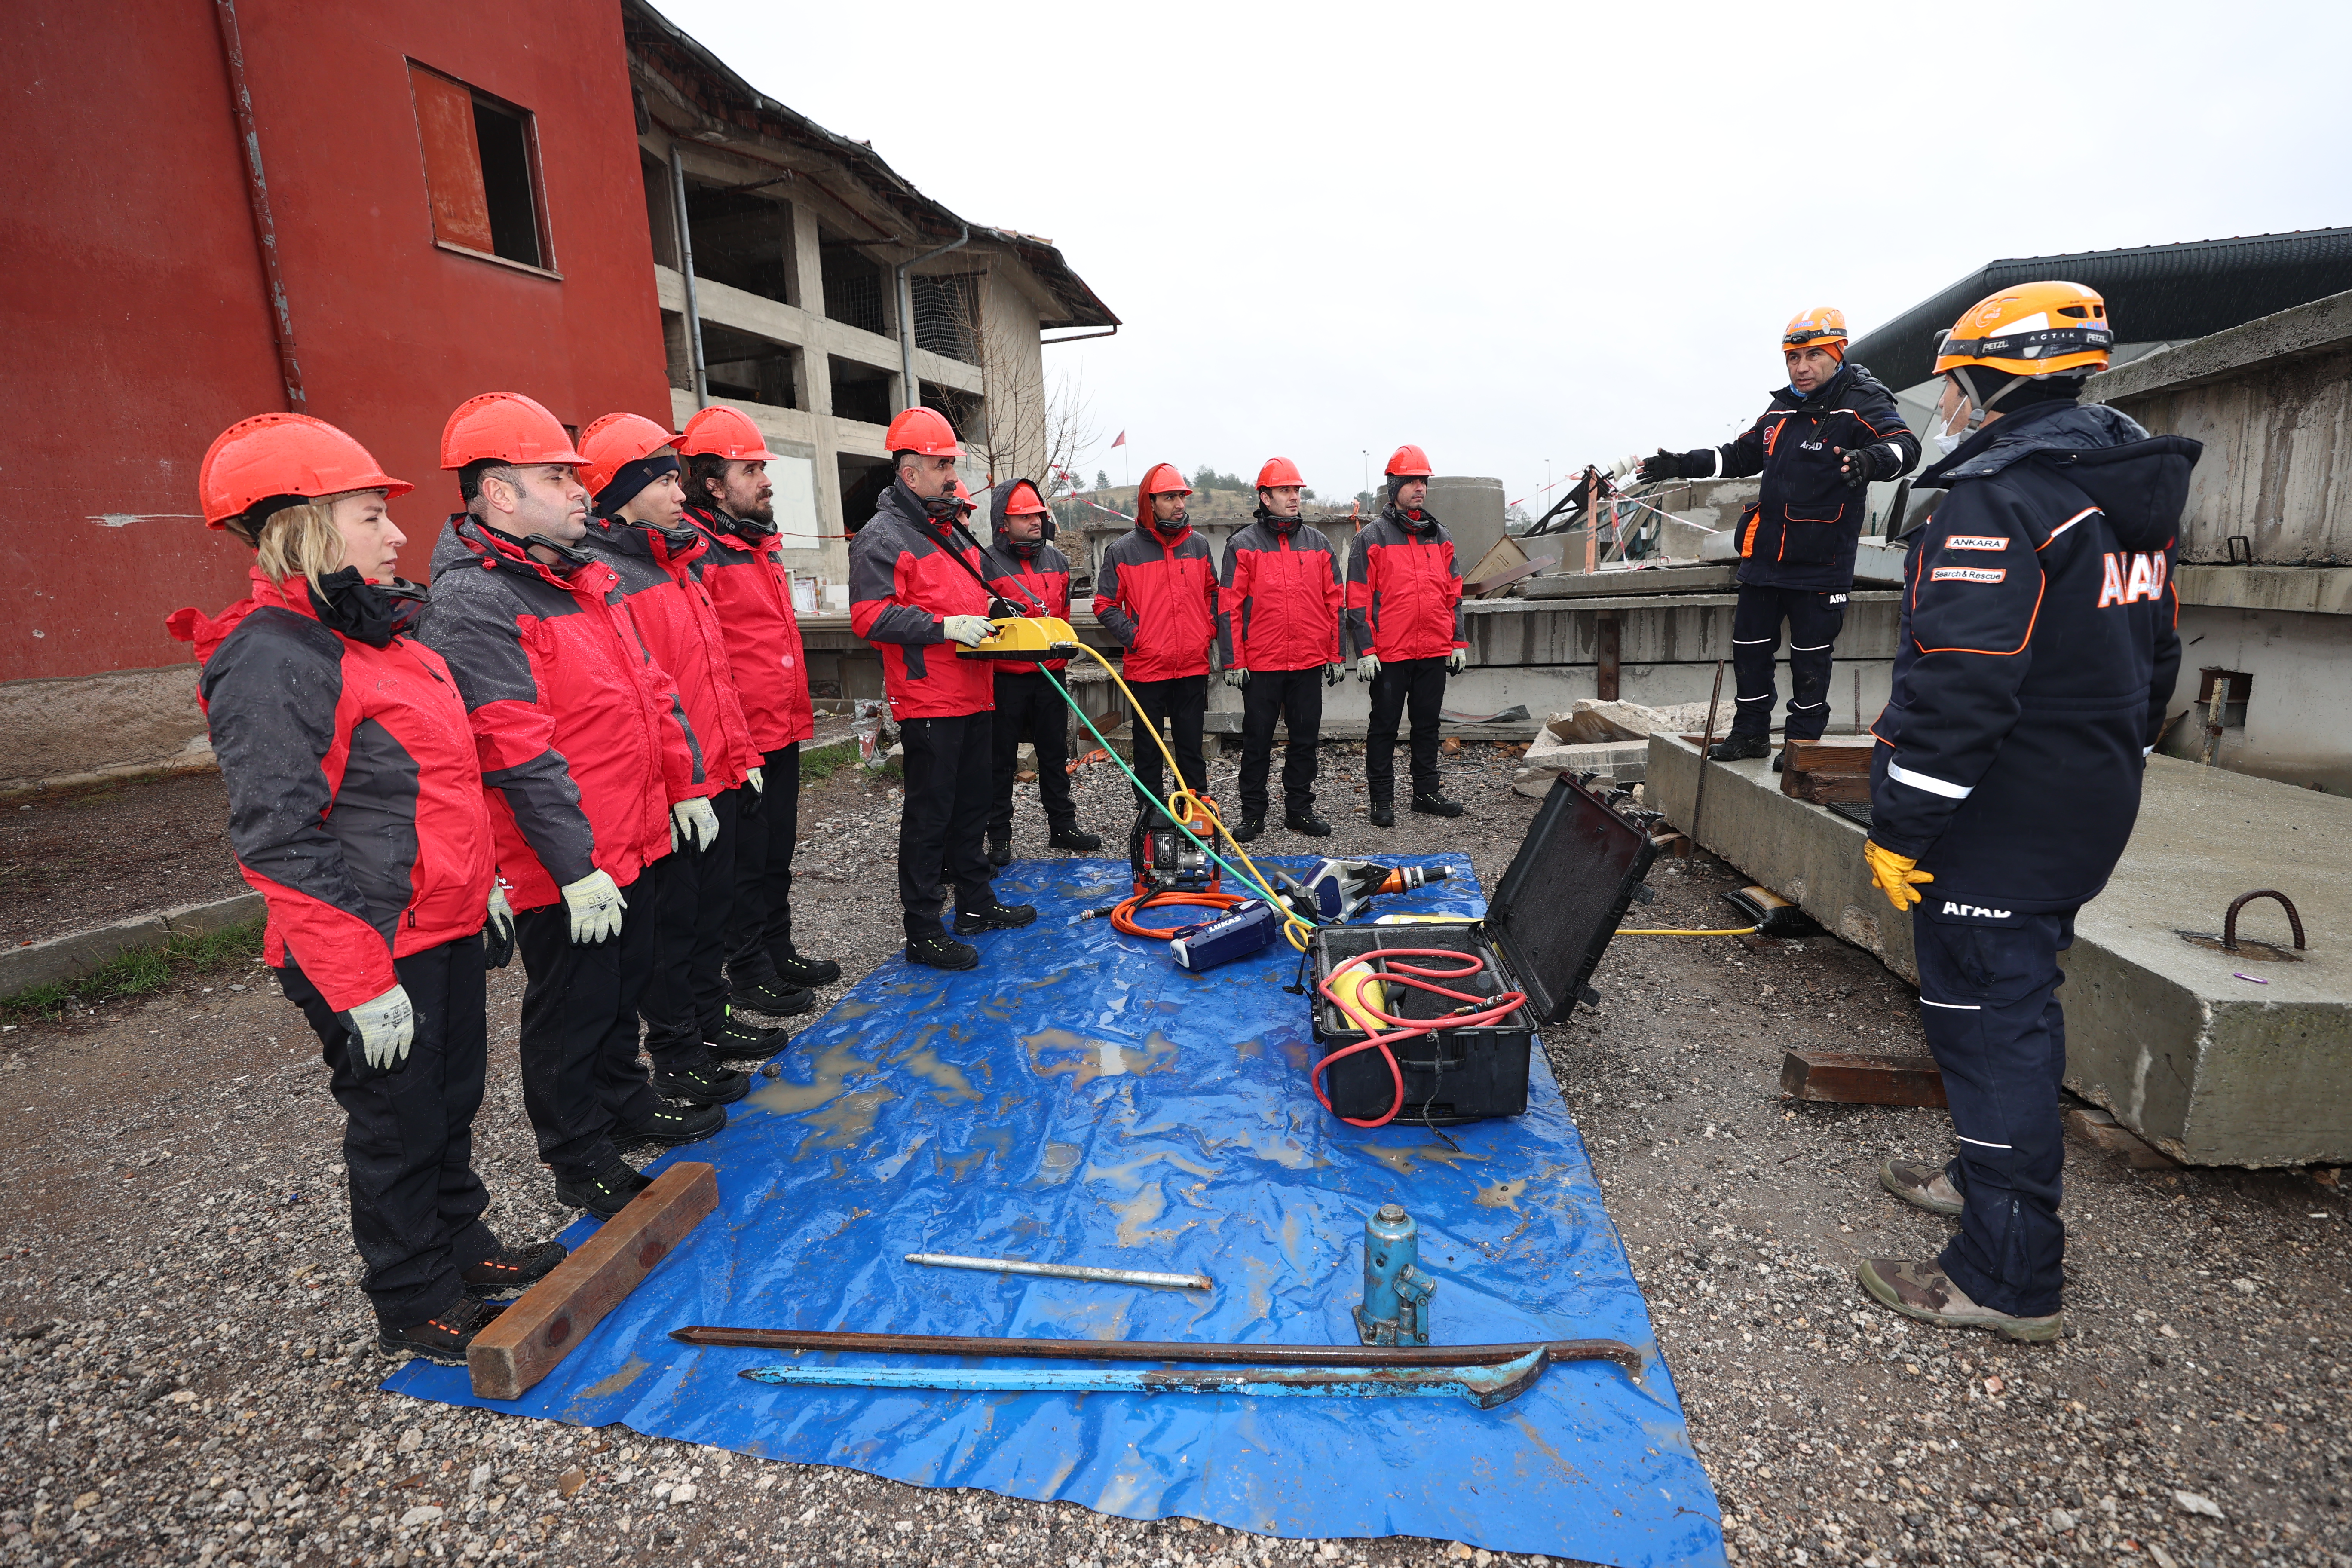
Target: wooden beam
{"points": [[526, 1340], [1841, 1078]]}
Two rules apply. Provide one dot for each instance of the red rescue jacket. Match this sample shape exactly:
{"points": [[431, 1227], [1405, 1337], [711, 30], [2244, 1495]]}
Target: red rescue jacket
{"points": [[1159, 597], [1405, 592], [745, 576], [661, 579], [355, 803], [1279, 600], [581, 736], [902, 587], [1034, 578]]}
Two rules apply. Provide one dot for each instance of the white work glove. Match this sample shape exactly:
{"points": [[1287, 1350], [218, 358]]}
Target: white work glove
{"points": [[498, 928], [1455, 661], [595, 903], [1334, 673], [1368, 667], [1235, 677], [758, 782], [969, 630], [693, 822], [385, 1027]]}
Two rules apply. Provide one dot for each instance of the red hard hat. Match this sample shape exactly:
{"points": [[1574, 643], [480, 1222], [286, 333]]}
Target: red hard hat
{"points": [[1410, 463], [1279, 472], [616, 441], [1025, 500], [504, 427], [1163, 480], [284, 455], [963, 496], [923, 431], [724, 433]]}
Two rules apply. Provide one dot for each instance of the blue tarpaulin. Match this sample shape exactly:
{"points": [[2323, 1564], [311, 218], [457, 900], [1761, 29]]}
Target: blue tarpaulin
{"points": [[1077, 1099]]}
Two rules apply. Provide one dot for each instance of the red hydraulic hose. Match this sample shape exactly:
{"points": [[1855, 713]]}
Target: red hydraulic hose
{"points": [[1476, 1012]]}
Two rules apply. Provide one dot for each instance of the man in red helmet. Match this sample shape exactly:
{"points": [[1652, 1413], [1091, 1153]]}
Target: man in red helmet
{"points": [[1156, 593], [1404, 618], [583, 743], [1034, 578], [1279, 610], [916, 591], [639, 529]]}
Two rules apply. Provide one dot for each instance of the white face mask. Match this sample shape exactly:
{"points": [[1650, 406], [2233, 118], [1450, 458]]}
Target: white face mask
{"points": [[1955, 419]]}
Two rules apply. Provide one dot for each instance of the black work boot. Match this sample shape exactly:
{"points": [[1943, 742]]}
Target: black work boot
{"points": [[738, 1040], [774, 998], [605, 1193], [1307, 822], [1435, 805], [795, 970], [1000, 849], [1383, 811], [512, 1269], [706, 1084], [938, 949], [445, 1339], [1736, 747], [674, 1123], [993, 916], [1070, 836], [1253, 823], [1780, 761]]}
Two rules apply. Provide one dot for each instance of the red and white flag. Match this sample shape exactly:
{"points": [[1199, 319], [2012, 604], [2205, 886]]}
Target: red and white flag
{"points": [[1123, 439]]}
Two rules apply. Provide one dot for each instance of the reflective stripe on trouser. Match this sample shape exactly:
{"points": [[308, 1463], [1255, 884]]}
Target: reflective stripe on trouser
{"points": [[1988, 995], [1813, 626], [582, 1086], [1294, 696], [408, 1135], [942, 824], [694, 895], [760, 919], [1414, 689], [1029, 709]]}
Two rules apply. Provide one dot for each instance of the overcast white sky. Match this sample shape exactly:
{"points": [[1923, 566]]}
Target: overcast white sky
{"points": [[1521, 233]]}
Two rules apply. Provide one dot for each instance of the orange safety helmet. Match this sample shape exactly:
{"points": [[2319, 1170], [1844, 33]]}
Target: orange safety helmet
{"points": [[505, 428], [273, 454], [729, 433], [963, 498], [613, 442], [2033, 329], [923, 431], [1823, 326], [1163, 480], [1279, 472], [1024, 499], [1408, 463]]}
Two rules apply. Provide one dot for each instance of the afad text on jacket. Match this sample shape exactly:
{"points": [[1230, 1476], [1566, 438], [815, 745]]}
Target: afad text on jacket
{"points": [[1158, 596], [903, 584], [661, 581], [581, 737], [1404, 591], [1034, 578], [355, 801], [744, 574], [1279, 598], [2038, 651]]}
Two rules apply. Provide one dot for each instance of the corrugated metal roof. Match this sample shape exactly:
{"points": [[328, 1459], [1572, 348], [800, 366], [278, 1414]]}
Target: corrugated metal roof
{"points": [[2155, 292]]}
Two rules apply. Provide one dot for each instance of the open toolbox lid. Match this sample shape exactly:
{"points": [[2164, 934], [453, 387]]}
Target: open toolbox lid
{"points": [[1568, 886]]}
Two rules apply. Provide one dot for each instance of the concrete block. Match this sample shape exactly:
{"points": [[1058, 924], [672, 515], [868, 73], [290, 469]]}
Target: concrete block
{"points": [[59, 731], [1626, 761], [2211, 1068], [66, 958]]}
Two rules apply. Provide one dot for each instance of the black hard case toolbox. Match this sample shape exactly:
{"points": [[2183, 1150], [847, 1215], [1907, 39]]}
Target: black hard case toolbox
{"points": [[1545, 929]]}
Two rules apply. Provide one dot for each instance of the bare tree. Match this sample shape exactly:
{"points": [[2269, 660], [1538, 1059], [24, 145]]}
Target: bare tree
{"points": [[1025, 419]]}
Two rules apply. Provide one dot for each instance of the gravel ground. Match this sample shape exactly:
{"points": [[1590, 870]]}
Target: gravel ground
{"points": [[187, 1372], [74, 858]]}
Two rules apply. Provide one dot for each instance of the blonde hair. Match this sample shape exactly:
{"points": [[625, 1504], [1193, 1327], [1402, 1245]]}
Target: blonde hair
{"points": [[302, 541]]}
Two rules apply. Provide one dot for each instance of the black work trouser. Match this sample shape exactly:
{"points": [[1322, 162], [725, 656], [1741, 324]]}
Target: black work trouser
{"points": [[1814, 620], [941, 826], [1028, 708], [767, 825], [1988, 1003], [1182, 705], [408, 1134], [694, 895], [1414, 687], [1294, 696], [582, 1086]]}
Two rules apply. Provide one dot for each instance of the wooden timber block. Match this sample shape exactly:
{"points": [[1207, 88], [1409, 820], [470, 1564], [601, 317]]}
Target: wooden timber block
{"points": [[526, 1340], [1843, 755], [1839, 1079], [2100, 1129], [1823, 788]]}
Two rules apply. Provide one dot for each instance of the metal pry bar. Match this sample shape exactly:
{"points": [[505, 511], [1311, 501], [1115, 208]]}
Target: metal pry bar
{"points": [[1485, 1386], [1066, 1272]]}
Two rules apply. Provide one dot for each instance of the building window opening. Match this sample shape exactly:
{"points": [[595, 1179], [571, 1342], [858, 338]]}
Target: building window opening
{"points": [[863, 480], [853, 286], [480, 171], [946, 314], [860, 391], [2237, 691], [659, 223], [962, 410], [749, 368], [742, 240]]}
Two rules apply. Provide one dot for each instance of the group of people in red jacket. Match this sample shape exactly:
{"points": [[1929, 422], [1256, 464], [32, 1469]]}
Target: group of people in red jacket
{"points": [[583, 744]]}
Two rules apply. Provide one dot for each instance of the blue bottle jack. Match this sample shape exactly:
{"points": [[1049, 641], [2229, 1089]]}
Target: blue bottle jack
{"points": [[1396, 1309]]}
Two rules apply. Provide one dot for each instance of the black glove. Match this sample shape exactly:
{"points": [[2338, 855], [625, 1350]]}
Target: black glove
{"points": [[1665, 466], [1859, 466]]}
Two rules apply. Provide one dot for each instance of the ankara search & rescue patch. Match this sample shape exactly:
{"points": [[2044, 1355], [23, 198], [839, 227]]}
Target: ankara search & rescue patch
{"points": [[1967, 574]]}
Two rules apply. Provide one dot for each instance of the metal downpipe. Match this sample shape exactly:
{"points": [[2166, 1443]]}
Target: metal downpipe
{"points": [[686, 269]]}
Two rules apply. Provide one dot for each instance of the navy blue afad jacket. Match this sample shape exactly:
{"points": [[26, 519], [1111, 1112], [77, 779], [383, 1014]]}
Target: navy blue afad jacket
{"points": [[1807, 520], [2038, 651]]}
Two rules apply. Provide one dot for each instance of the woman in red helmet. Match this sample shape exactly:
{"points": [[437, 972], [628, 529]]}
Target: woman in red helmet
{"points": [[356, 809]]}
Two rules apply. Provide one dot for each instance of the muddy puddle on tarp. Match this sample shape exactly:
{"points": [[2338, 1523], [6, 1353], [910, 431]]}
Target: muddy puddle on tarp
{"points": [[1077, 1099]]}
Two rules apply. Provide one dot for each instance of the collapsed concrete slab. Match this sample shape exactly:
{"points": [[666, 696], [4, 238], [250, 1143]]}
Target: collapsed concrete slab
{"points": [[2216, 1059]]}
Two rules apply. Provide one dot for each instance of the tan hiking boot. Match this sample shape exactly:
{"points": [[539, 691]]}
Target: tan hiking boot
{"points": [[1921, 1290], [1922, 1185]]}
